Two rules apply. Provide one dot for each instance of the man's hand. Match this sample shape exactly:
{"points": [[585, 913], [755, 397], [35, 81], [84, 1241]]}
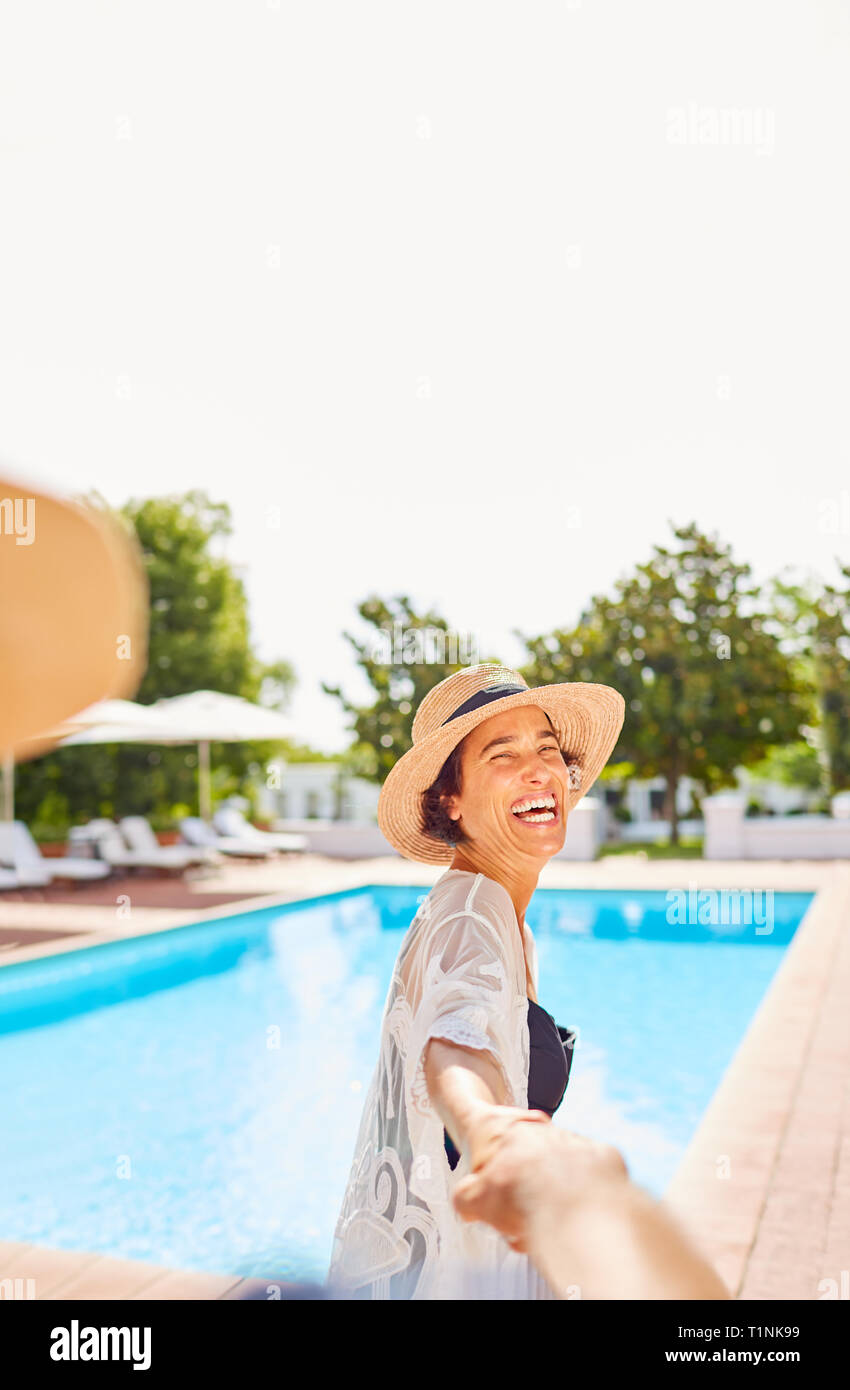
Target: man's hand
{"points": [[489, 1127], [567, 1203], [519, 1162]]}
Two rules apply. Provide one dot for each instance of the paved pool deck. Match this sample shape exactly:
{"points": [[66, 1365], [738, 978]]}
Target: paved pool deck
{"points": [[764, 1187]]}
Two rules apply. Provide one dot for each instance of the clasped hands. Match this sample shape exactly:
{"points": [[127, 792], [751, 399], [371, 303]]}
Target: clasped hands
{"points": [[523, 1167]]}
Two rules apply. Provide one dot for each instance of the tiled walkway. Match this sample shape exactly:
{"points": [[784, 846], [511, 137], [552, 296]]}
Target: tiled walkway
{"points": [[765, 1185], [766, 1181]]}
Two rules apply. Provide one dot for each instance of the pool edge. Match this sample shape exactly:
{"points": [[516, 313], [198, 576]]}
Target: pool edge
{"points": [[756, 1187]]}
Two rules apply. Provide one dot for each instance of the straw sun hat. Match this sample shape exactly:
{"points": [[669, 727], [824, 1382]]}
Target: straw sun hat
{"points": [[587, 719]]}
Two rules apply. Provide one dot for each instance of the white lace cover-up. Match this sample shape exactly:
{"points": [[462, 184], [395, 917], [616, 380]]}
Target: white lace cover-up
{"points": [[459, 975]]}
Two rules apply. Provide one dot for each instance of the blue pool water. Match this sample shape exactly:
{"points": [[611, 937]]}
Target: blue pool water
{"points": [[191, 1097]]}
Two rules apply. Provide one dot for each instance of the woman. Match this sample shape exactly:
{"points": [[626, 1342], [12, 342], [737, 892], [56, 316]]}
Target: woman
{"points": [[466, 1050]]}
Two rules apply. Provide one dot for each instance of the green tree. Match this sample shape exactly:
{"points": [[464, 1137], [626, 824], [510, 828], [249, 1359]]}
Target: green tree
{"points": [[199, 635], [791, 765], [815, 623], [685, 640], [402, 657]]}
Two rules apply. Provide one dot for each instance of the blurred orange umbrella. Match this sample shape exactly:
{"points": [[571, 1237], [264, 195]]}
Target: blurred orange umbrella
{"points": [[73, 617]]}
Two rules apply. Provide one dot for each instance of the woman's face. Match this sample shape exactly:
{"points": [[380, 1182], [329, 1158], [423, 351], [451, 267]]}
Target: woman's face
{"points": [[506, 762]]}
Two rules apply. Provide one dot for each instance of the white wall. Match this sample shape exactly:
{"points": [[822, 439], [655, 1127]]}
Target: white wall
{"points": [[730, 834], [585, 830], [656, 831], [774, 796], [339, 839]]}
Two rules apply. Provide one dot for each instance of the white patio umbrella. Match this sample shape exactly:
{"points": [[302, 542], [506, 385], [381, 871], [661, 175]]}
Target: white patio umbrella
{"points": [[217, 718], [106, 721], [114, 714], [202, 717]]}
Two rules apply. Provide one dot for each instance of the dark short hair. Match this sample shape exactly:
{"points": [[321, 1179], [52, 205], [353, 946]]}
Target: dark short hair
{"points": [[436, 820]]}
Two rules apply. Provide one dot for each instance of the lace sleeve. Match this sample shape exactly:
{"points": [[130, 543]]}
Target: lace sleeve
{"points": [[462, 989]]}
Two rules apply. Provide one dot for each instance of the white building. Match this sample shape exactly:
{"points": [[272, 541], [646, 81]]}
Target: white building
{"points": [[317, 791], [337, 813], [644, 800]]}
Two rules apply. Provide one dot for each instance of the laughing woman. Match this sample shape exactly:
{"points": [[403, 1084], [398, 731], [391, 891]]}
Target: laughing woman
{"points": [[466, 1049]]}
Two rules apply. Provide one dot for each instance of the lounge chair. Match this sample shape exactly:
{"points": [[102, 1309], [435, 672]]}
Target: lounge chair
{"points": [[112, 849], [88, 834], [9, 879], [19, 850], [229, 821], [141, 840], [197, 832]]}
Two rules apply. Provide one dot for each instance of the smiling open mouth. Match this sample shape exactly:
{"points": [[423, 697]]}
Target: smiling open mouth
{"points": [[536, 810]]}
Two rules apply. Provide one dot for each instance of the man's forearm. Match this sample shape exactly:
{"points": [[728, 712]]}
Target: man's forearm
{"points": [[616, 1241]]}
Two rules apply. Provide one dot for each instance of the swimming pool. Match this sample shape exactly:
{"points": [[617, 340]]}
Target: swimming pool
{"points": [[191, 1097]]}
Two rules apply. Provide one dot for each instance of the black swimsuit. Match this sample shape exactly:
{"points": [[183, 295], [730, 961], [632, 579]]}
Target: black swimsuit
{"points": [[550, 1055]]}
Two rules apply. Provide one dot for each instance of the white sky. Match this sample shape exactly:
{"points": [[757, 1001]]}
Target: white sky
{"points": [[236, 237]]}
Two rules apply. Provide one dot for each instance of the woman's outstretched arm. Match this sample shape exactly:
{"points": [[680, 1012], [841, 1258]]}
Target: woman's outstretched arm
{"points": [[467, 1091], [462, 1083]]}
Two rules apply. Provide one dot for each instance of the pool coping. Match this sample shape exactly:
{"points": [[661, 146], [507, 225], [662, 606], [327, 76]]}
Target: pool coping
{"points": [[764, 1185], [755, 1163]]}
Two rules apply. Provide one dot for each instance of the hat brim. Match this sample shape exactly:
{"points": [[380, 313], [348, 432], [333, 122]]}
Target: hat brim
{"points": [[587, 719]]}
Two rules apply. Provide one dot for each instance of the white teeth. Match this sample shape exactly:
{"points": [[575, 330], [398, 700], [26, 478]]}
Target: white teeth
{"points": [[536, 803]]}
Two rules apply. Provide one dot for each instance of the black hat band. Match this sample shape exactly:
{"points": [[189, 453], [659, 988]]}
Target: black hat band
{"points": [[484, 697]]}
